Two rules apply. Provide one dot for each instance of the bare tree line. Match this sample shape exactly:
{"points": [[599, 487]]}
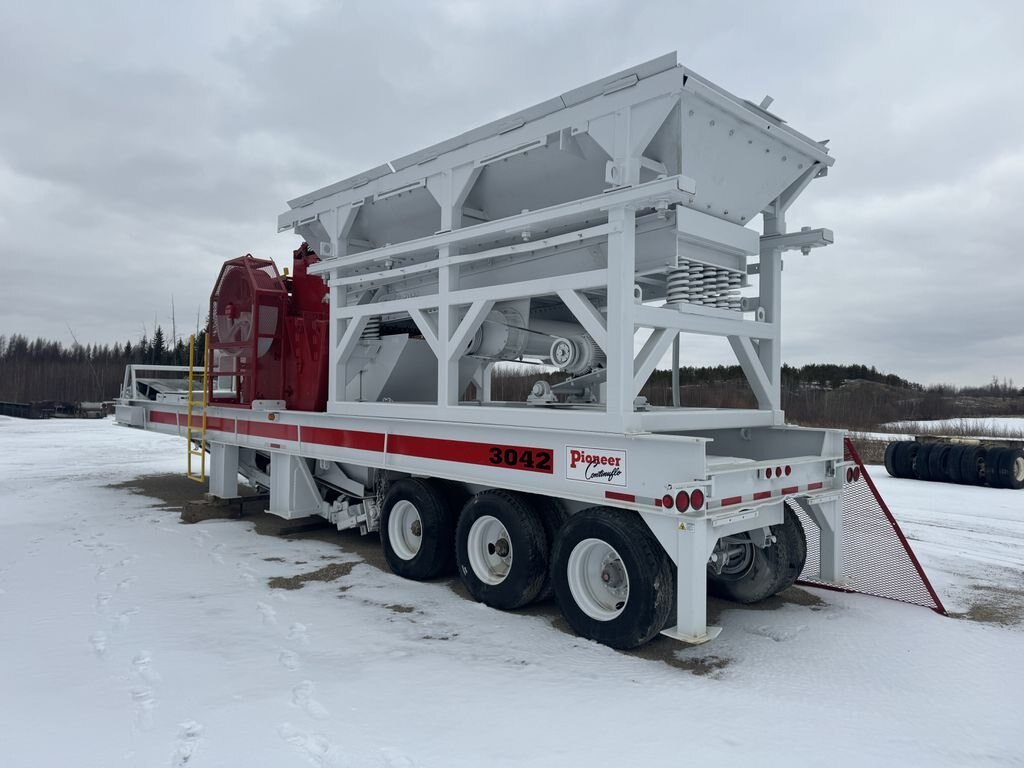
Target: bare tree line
{"points": [[47, 370], [827, 395]]}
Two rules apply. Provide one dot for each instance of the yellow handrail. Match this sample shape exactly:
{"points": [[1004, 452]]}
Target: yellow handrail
{"points": [[192, 403]]}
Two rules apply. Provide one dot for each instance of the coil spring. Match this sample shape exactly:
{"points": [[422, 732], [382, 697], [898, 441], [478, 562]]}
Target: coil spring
{"points": [[696, 283]]}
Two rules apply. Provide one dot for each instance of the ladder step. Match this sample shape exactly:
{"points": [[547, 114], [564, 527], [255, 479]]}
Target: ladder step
{"points": [[196, 410]]}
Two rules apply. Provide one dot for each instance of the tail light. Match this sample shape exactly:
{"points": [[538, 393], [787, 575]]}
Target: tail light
{"points": [[697, 498], [683, 501], [667, 501]]}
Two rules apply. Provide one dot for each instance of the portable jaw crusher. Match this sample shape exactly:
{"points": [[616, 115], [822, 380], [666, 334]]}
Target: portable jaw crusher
{"points": [[585, 233]]}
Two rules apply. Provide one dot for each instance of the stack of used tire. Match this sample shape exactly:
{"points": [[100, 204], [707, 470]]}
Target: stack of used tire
{"points": [[991, 465]]}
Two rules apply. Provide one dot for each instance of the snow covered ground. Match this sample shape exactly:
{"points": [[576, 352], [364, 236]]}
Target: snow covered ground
{"points": [[997, 426], [992, 425], [127, 638]]}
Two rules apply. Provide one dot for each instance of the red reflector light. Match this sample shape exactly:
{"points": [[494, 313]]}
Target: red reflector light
{"points": [[682, 501], [789, 470], [849, 474], [768, 472], [697, 498], [778, 471], [667, 501], [856, 474]]}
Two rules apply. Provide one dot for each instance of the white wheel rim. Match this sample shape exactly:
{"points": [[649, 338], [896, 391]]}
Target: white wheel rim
{"points": [[1018, 469], [405, 530], [598, 579], [489, 548]]}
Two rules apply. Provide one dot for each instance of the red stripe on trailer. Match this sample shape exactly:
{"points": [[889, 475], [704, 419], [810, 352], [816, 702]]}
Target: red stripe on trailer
{"points": [[815, 486], [344, 438], [620, 496], [790, 490], [762, 495], [218, 424], [485, 454], [214, 423], [657, 503], [728, 501], [163, 417], [267, 429]]}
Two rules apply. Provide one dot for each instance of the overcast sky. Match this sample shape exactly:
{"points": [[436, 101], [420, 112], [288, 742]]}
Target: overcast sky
{"points": [[142, 144]]}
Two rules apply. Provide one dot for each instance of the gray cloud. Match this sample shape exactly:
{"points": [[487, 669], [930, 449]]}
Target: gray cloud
{"points": [[142, 145]]}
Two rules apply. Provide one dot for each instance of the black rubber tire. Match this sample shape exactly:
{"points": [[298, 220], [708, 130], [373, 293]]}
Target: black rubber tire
{"points": [[796, 545], [922, 464], [992, 461], [528, 544], [971, 462], [938, 462], [436, 553], [954, 463], [904, 457], [553, 515], [648, 569], [890, 466], [771, 569], [1011, 469]]}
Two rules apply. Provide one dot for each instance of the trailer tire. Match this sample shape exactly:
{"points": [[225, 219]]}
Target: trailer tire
{"points": [[992, 461], [417, 529], [501, 549], [1011, 468], [922, 464], [890, 455], [903, 458], [765, 571], [971, 462], [553, 516], [938, 462], [613, 581], [796, 546], [954, 463]]}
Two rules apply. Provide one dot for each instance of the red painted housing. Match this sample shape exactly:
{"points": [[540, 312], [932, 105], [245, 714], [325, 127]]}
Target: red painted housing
{"points": [[268, 334], [305, 361]]}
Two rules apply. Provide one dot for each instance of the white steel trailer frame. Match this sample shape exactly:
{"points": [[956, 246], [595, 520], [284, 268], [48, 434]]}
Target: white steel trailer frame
{"points": [[617, 207]]}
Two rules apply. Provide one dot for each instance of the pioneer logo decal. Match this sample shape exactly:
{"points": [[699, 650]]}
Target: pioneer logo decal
{"points": [[595, 465]]}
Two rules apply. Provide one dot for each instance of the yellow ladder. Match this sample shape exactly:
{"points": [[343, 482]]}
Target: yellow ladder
{"points": [[193, 403]]}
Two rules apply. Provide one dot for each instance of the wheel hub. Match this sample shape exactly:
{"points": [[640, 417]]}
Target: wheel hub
{"points": [[598, 579], [405, 530], [733, 557], [613, 575], [489, 550]]}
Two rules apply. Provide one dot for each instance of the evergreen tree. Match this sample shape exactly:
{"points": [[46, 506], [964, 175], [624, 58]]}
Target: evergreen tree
{"points": [[157, 350]]}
